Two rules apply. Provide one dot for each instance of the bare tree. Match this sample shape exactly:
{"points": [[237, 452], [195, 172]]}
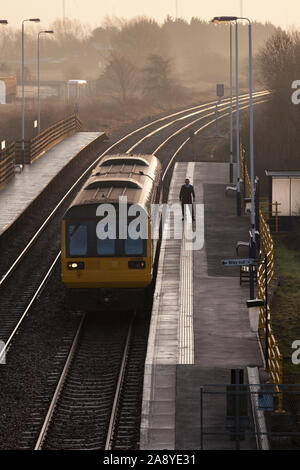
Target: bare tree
{"points": [[120, 78], [140, 38], [159, 82]]}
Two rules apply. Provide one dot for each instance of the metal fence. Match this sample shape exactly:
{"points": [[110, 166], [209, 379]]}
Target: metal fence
{"points": [[7, 161], [265, 276], [36, 147], [271, 213], [52, 135], [244, 417]]}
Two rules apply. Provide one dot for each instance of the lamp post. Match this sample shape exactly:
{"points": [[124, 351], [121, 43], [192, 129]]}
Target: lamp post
{"points": [[221, 19], [47, 31], [35, 20], [230, 148], [237, 120], [251, 143]]}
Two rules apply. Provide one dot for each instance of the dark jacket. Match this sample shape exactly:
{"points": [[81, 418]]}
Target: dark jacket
{"points": [[186, 194]]}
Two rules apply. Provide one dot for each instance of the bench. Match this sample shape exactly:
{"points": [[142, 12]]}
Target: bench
{"points": [[241, 244], [230, 190]]}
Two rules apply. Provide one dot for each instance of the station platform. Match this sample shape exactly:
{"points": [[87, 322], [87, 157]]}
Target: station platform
{"points": [[200, 325], [18, 193]]}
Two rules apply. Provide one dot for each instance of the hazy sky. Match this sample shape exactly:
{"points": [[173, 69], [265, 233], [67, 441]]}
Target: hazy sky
{"points": [[284, 13]]}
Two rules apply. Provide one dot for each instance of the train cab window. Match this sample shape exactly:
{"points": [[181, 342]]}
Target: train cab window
{"points": [[106, 247], [134, 247], [78, 235]]}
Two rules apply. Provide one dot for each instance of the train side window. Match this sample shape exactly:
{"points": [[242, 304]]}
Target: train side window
{"points": [[106, 247], [77, 240]]}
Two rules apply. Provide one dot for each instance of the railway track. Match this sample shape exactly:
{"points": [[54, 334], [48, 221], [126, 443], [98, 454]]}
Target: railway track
{"points": [[30, 275], [13, 311], [96, 400]]}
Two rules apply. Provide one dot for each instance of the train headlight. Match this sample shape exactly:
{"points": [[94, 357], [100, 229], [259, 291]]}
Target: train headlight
{"points": [[136, 264], [72, 265]]}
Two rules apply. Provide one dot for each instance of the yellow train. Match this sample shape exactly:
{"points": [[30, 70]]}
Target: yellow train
{"points": [[112, 271]]}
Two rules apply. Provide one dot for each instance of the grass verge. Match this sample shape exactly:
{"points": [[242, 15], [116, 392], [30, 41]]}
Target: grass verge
{"points": [[285, 305]]}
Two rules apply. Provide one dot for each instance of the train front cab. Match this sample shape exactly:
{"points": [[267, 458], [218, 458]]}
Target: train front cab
{"points": [[104, 273]]}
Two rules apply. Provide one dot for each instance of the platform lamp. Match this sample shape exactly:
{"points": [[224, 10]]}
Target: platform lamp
{"points": [[230, 19], [216, 21], [221, 19], [34, 20], [46, 31]]}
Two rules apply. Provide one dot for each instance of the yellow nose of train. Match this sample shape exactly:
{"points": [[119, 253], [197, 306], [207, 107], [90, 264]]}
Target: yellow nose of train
{"points": [[107, 272]]}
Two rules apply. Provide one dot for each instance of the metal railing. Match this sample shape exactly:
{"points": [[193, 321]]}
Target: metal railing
{"points": [[233, 416], [7, 162], [245, 174], [52, 135], [271, 213], [36, 147], [265, 276]]}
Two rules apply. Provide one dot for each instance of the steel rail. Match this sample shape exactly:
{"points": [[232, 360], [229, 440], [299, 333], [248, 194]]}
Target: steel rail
{"points": [[111, 426], [35, 295], [59, 387], [5, 276], [224, 103], [16, 328], [196, 132]]}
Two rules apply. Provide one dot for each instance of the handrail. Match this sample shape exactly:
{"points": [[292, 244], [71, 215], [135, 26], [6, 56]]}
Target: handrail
{"points": [[52, 135], [275, 360], [37, 146], [7, 162]]}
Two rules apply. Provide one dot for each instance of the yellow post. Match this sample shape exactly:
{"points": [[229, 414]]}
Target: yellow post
{"points": [[242, 161], [280, 394], [276, 216]]}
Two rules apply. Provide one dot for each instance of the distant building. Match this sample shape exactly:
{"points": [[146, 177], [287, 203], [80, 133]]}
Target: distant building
{"points": [[8, 89], [284, 196], [76, 89]]}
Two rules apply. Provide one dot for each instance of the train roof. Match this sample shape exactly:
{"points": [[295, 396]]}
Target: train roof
{"points": [[119, 176], [140, 160]]}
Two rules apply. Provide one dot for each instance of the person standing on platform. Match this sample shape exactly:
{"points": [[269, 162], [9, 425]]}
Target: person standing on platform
{"points": [[187, 196]]}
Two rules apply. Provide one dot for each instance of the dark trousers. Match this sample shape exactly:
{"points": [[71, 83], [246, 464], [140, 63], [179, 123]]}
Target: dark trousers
{"points": [[183, 203]]}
